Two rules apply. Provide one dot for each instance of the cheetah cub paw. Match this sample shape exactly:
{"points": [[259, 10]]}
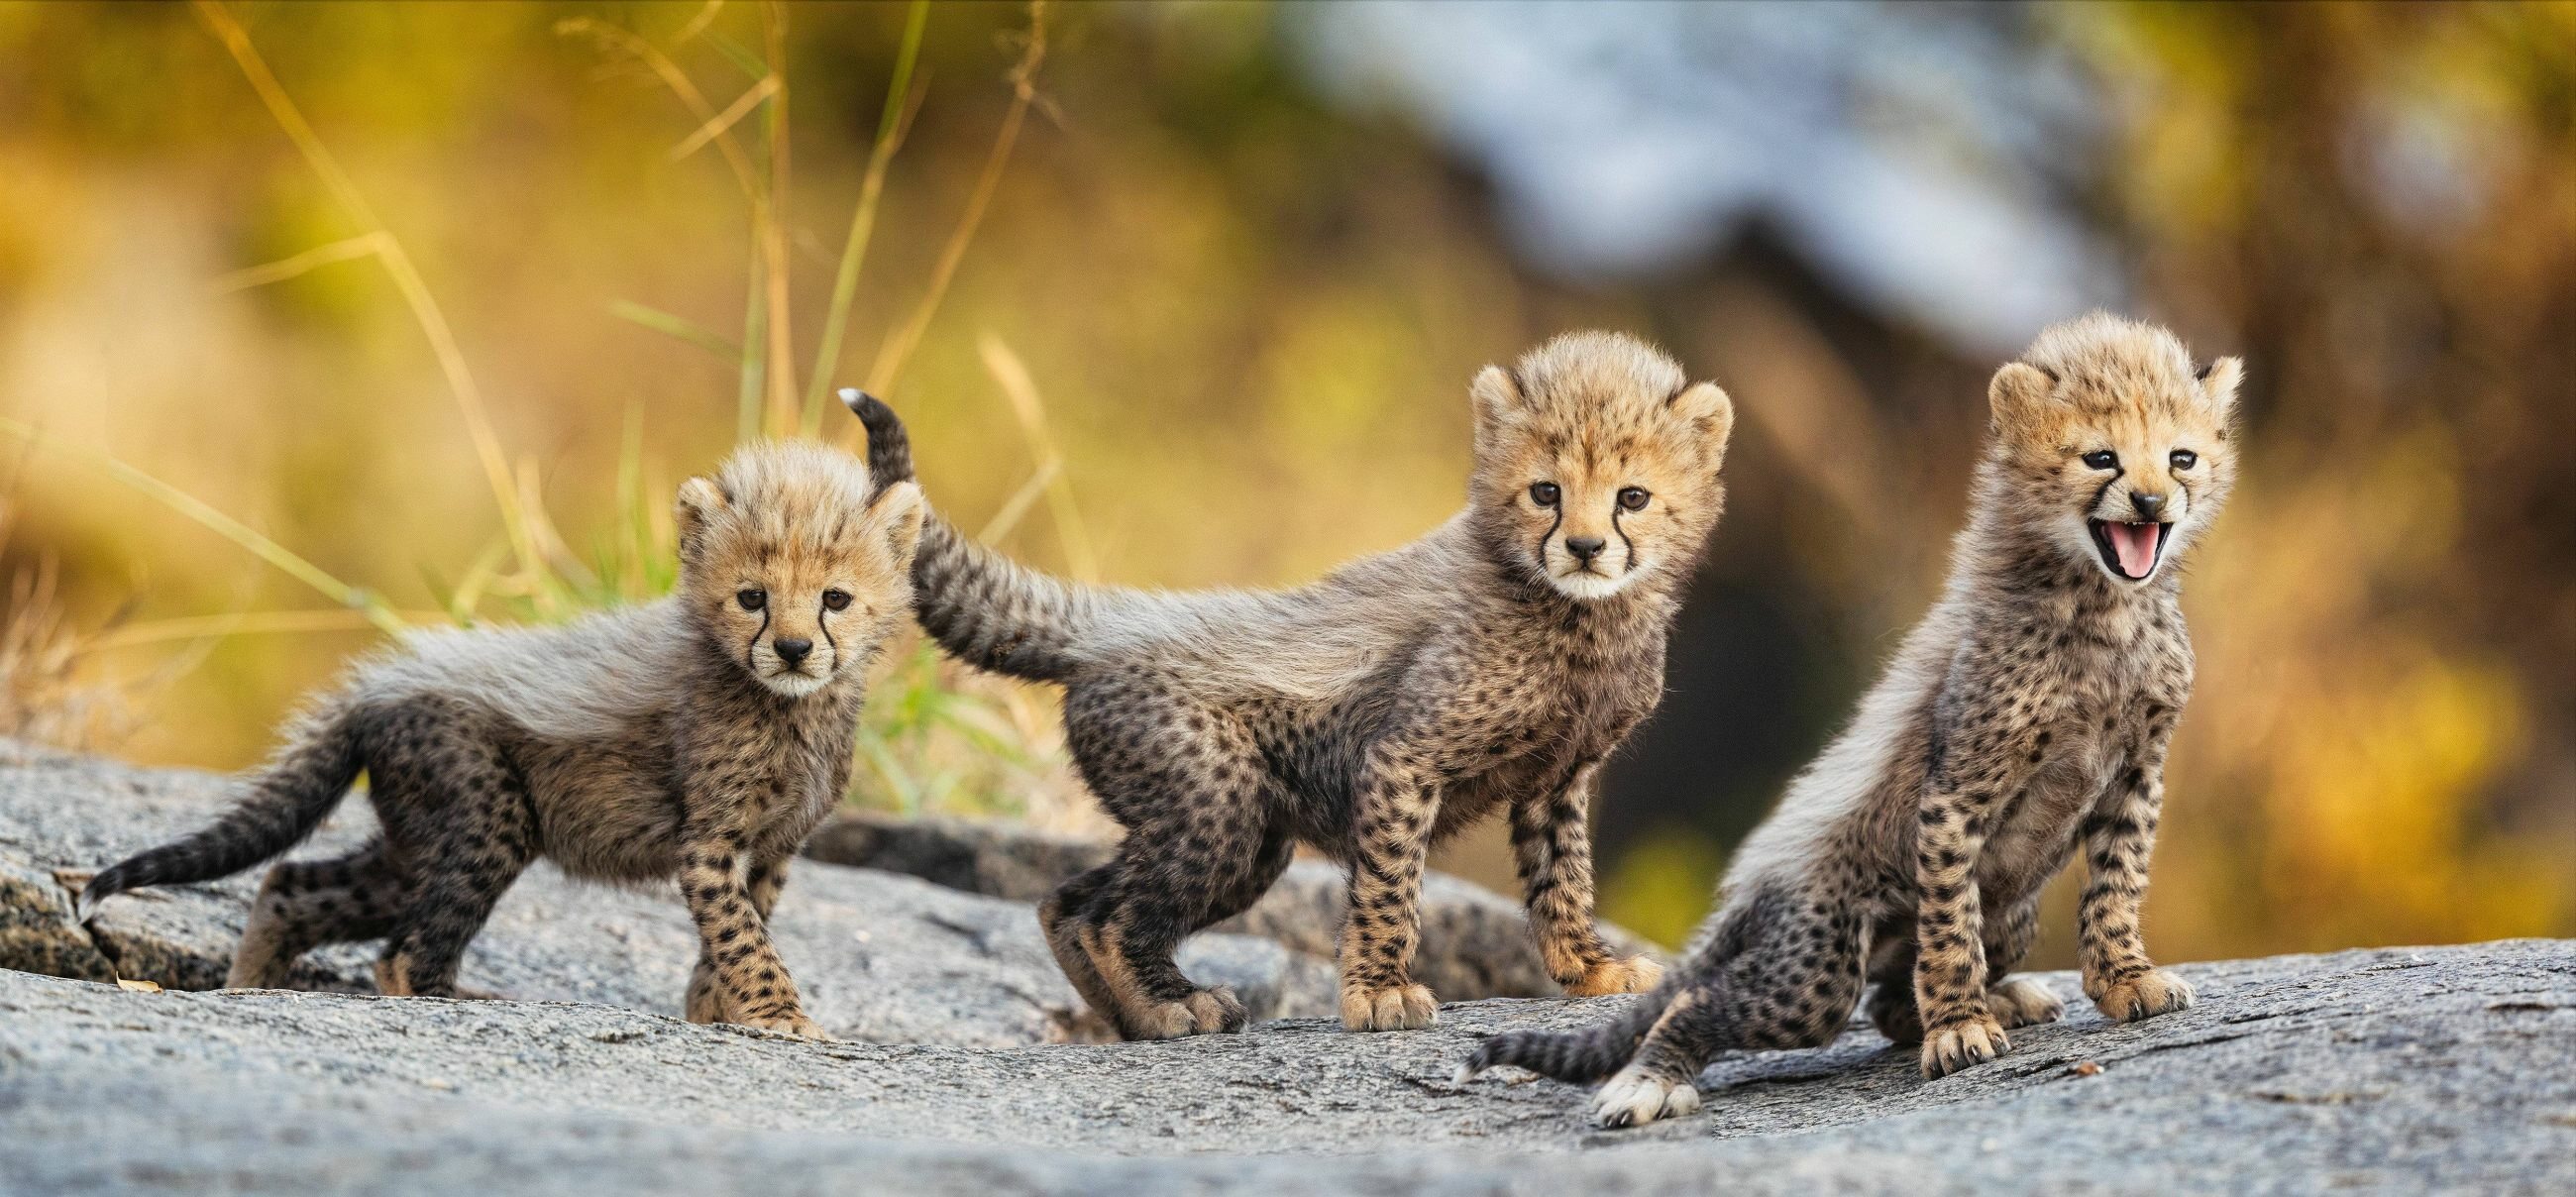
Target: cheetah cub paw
{"points": [[1214, 1011], [1954, 1046], [792, 1022], [2152, 992], [1636, 974], [2022, 1002], [1635, 1098], [1388, 1007]]}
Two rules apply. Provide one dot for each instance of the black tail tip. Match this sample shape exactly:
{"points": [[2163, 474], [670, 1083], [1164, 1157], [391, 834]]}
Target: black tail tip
{"points": [[889, 447]]}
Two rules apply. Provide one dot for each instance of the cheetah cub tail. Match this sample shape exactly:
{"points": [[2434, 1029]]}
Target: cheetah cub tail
{"points": [[982, 607], [1576, 1057], [289, 798]]}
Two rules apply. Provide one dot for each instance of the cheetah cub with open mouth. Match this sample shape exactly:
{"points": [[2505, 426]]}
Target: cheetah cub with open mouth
{"points": [[2025, 717], [1489, 666], [701, 735]]}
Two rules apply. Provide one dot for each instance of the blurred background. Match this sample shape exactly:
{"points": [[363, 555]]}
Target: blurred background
{"points": [[318, 320]]}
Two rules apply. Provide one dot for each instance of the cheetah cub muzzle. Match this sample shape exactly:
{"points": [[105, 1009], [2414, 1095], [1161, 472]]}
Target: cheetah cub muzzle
{"points": [[2024, 720], [701, 736], [1487, 667]]}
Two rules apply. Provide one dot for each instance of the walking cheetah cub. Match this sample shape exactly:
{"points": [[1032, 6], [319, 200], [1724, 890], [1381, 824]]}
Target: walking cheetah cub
{"points": [[701, 735], [1489, 666], [2026, 715]]}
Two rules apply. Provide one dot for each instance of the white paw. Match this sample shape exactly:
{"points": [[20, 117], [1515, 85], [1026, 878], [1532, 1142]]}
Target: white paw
{"points": [[1634, 1098]]}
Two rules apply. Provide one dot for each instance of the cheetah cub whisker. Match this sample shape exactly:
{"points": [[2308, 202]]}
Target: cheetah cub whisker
{"points": [[2024, 719], [702, 735], [1489, 666]]}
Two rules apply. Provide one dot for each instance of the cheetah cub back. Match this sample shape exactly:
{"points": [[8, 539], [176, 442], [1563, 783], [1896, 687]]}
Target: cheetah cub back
{"points": [[2026, 718], [700, 736]]}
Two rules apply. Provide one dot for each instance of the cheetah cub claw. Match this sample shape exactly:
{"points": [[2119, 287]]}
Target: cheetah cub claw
{"points": [[1636, 974], [1970, 1041], [1388, 1007], [2149, 993]]}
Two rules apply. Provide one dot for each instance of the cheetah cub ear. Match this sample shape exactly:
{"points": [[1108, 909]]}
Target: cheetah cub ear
{"points": [[1709, 410], [2020, 397], [1498, 403], [900, 510], [2218, 382], [699, 504]]}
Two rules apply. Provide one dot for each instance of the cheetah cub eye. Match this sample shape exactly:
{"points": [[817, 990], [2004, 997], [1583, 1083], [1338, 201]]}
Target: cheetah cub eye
{"points": [[1634, 498], [752, 600], [2102, 459], [1545, 494], [837, 600]]}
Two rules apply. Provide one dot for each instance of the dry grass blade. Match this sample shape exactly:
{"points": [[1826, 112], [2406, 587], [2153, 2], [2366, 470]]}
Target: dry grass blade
{"points": [[243, 623], [1016, 508], [1008, 370], [899, 345], [716, 125], [389, 250], [767, 379], [231, 529], [772, 224], [361, 246], [44, 695], [680, 87], [902, 100], [697, 24]]}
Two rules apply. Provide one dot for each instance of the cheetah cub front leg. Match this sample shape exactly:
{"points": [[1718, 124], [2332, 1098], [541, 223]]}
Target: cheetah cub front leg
{"points": [[2123, 983], [745, 982], [1959, 1024], [1385, 920], [1552, 846]]}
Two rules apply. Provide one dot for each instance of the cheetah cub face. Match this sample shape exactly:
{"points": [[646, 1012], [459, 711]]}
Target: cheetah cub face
{"points": [[1597, 463], [2118, 446], [791, 569]]}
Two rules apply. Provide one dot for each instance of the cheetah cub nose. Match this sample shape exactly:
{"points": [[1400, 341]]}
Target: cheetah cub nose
{"points": [[1585, 548], [792, 651]]}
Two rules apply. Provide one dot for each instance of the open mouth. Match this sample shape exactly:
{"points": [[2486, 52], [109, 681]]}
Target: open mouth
{"points": [[2131, 550]]}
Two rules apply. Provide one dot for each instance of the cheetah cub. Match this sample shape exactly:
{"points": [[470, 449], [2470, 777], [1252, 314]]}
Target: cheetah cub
{"points": [[2025, 717], [1489, 666], [701, 735]]}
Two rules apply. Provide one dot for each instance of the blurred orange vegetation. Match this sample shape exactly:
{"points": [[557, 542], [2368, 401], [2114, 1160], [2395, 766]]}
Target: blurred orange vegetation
{"points": [[1157, 313]]}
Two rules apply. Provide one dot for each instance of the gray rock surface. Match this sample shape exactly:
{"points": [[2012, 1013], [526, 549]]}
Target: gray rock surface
{"points": [[880, 957], [1475, 943], [2392, 1071]]}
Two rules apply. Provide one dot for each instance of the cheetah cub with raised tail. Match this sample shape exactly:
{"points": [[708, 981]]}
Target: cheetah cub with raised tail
{"points": [[2025, 718], [1489, 666], [702, 735]]}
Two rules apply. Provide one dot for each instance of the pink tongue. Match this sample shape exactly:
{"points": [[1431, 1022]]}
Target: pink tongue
{"points": [[2136, 545]]}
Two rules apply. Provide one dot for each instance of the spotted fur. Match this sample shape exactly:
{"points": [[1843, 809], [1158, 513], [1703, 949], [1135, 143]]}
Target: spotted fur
{"points": [[1489, 666], [701, 736], [2023, 721]]}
